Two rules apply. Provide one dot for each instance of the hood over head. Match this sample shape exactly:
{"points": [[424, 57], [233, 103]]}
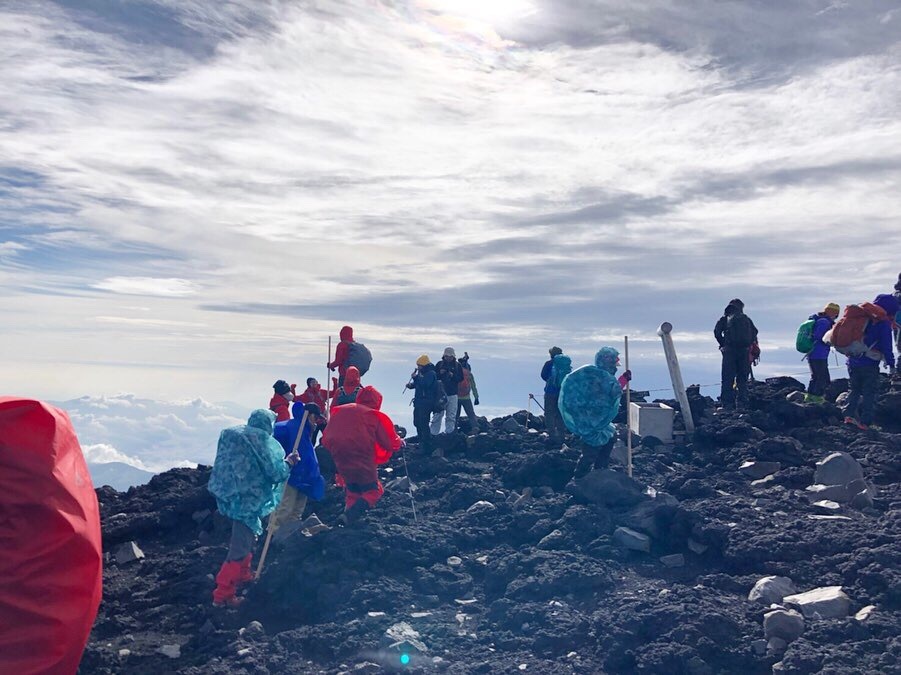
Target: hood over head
{"points": [[738, 303], [370, 397], [888, 302], [351, 379], [281, 387], [299, 408], [553, 351], [346, 334], [606, 359], [563, 364], [261, 419]]}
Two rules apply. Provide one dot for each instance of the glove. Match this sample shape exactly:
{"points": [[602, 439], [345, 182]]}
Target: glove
{"points": [[628, 375], [329, 366], [410, 385], [476, 402], [293, 458]]}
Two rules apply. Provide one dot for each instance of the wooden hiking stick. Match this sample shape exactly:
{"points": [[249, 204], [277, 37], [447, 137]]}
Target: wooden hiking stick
{"points": [[269, 528], [628, 414], [328, 378]]}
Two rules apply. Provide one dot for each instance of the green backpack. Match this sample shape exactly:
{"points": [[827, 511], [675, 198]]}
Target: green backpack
{"points": [[804, 341]]}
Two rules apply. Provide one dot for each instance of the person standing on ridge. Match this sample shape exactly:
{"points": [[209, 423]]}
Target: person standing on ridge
{"points": [[359, 436], [468, 394], [425, 386], [281, 400], [314, 394], [247, 479], [450, 375], [552, 421], [342, 351], [818, 357], [863, 370], [898, 315], [735, 333], [347, 393]]}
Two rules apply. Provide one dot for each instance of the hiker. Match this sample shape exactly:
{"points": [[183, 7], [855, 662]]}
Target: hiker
{"points": [[347, 392], [818, 356], [468, 394], [314, 394], [426, 390], [247, 479], [281, 400], [305, 481], [863, 368], [898, 315], [735, 333], [450, 375], [359, 436], [589, 400], [552, 421], [346, 336], [349, 353]]}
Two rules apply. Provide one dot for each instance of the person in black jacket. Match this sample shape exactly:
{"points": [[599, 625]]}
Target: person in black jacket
{"points": [[425, 385], [735, 333], [450, 375]]}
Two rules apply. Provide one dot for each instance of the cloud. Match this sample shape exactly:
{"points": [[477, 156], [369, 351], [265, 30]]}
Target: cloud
{"points": [[171, 288]]}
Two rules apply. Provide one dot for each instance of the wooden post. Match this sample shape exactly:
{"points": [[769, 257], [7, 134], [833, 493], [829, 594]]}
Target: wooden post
{"points": [[328, 378], [675, 374], [528, 412], [628, 414]]}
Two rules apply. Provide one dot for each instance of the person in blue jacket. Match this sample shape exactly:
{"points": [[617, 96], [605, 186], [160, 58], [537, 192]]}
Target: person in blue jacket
{"points": [[426, 390], [306, 481], [863, 370], [818, 358], [553, 422]]}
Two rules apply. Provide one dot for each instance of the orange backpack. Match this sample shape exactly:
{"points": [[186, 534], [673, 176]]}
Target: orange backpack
{"points": [[847, 335]]}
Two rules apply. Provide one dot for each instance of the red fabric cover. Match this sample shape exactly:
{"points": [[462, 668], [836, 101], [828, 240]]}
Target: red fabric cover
{"points": [[351, 380], [50, 549], [351, 437], [281, 407]]}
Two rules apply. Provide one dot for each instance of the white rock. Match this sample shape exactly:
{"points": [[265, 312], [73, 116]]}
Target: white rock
{"points": [[865, 613], [172, 651], [696, 547], [776, 645], [827, 602], [674, 560], [123, 653], [771, 589], [835, 493], [827, 506], [635, 541], [480, 507], [128, 552], [455, 561], [838, 468], [786, 624], [758, 470]]}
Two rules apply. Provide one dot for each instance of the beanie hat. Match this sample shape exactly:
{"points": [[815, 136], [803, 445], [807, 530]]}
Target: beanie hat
{"points": [[553, 351], [423, 360], [832, 308], [281, 387], [449, 351]]}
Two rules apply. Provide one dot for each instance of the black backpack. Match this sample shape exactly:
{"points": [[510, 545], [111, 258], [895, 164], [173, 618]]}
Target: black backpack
{"points": [[739, 332], [358, 355]]}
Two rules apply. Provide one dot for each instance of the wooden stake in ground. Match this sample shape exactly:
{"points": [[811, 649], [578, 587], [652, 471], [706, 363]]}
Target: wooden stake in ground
{"points": [[328, 378], [528, 412], [628, 414], [269, 528]]}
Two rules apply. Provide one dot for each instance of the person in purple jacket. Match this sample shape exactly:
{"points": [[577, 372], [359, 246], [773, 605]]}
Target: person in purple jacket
{"points": [[863, 370], [818, 359]]}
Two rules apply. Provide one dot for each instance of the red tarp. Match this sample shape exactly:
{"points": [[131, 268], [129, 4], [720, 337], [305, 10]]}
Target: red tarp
{"points": [[50, 550]]}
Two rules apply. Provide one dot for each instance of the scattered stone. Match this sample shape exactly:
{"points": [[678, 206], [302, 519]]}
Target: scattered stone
{"points": [[455, 561], [207, 627], [827, 602], [465, 601], [200, 516], [480, 507], [635, 541], [512, 426], [819, 517], [763, 482], [865, 613], [757, 470], [610, 488], [835, 493], [759, 647], [526, 496], [254, 628], [839, 468], [404, 638], [862, 500], [827, 506], [796, 397], [674, 560], [313, 525], [776, 645], [375, 615], [124, 653], [399, 484], [554, 540], [128, 552], [696, 547], [245, 651], [172, 651], [420, 615], [786, 624], [367, 668], [770, 590]]}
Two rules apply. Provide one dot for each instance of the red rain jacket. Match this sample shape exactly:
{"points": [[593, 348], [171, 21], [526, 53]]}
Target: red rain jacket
{"points": [[347, 336], [50, 548]]}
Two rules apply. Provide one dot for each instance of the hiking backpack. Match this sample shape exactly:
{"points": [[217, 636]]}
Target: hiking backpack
{"points": [[847, 335], [439, 397], [358, 355], [344, 398], [804, 341], [739, 332]]}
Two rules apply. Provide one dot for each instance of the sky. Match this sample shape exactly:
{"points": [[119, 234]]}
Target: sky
{"points": [[195, 194]]}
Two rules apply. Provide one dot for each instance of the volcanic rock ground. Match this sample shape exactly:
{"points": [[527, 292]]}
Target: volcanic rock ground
{"points": [[540, 587]]}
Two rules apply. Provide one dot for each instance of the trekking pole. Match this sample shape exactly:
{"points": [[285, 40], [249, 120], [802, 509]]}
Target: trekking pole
{"points": [[409, 483], [269, 528], [532, 396], [528, 411], [328, 377], [628, 414]]}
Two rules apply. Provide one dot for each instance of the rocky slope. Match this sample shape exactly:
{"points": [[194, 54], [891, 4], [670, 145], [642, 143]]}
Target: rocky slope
{"points": [[510, 568]]}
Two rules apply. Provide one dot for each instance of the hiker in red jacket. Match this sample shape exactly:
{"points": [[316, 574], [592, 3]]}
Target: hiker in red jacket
{"points": [[280, 403], [314, 394], [342, 352], [347, 392], [359, 436]]}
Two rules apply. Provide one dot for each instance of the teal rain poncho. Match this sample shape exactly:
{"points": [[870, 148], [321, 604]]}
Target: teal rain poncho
{"points": [[249, 472], [590, 399]]}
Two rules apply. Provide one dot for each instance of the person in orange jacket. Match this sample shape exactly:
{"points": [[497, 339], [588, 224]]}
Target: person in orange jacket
{"points": [[347, 393], [342, 351], [359, 437], [280, 403]]}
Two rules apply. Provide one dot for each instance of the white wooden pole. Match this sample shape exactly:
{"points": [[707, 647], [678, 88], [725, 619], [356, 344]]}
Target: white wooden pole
{"points": [[628, 414], [672, 362]]}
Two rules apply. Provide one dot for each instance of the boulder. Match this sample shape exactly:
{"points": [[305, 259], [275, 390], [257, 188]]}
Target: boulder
{"points": [[513, 427], [786, 624], [776, 645], [481, 507], [839, 468], [128, 552], [769, 590], [610, 488], [404, 638], [635, 541], [827, 506], [827, 602], [760, 469], [172, 651], [555, 540], [674, 560], [834, 493]]}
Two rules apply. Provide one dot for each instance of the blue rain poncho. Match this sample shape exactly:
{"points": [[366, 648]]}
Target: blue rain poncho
{"points": [[249, 472], [561, 366], [590, 399], [305, 476]]}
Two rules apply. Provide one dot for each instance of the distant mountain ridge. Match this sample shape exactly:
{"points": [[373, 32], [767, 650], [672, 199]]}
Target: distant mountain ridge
{"points": [[118, 475]]}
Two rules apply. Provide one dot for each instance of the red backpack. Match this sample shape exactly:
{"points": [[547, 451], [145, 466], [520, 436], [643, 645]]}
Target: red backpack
{"points": [[847, 335]]}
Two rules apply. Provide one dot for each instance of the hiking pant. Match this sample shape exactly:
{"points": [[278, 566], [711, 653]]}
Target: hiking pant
{"points": [[367, 492], [594, 457], [819, 376], [553, 420], [289, 508], [466, 404], [242, 542], [862, 396], [450, 417], [421, 415], [735, 373], [319, 427]]}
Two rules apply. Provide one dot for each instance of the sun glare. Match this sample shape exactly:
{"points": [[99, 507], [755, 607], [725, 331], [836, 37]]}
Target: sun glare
{"points": [[491, 12]]}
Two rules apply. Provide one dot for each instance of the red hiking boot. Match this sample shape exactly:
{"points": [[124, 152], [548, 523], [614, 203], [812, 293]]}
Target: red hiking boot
{"points": [[227, 584], [856, 423]]}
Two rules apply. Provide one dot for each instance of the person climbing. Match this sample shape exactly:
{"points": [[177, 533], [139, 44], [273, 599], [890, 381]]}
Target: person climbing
{"points": [[818, 356], [247, 479], [468, 394], [450, 375], [735, 333], [306, 481], [347, 393], [360, 436], [341, 353], [897, 295], [552, 421], [314, 394], [426, 387], [589, 400], [863, 369], [281, 400]]}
